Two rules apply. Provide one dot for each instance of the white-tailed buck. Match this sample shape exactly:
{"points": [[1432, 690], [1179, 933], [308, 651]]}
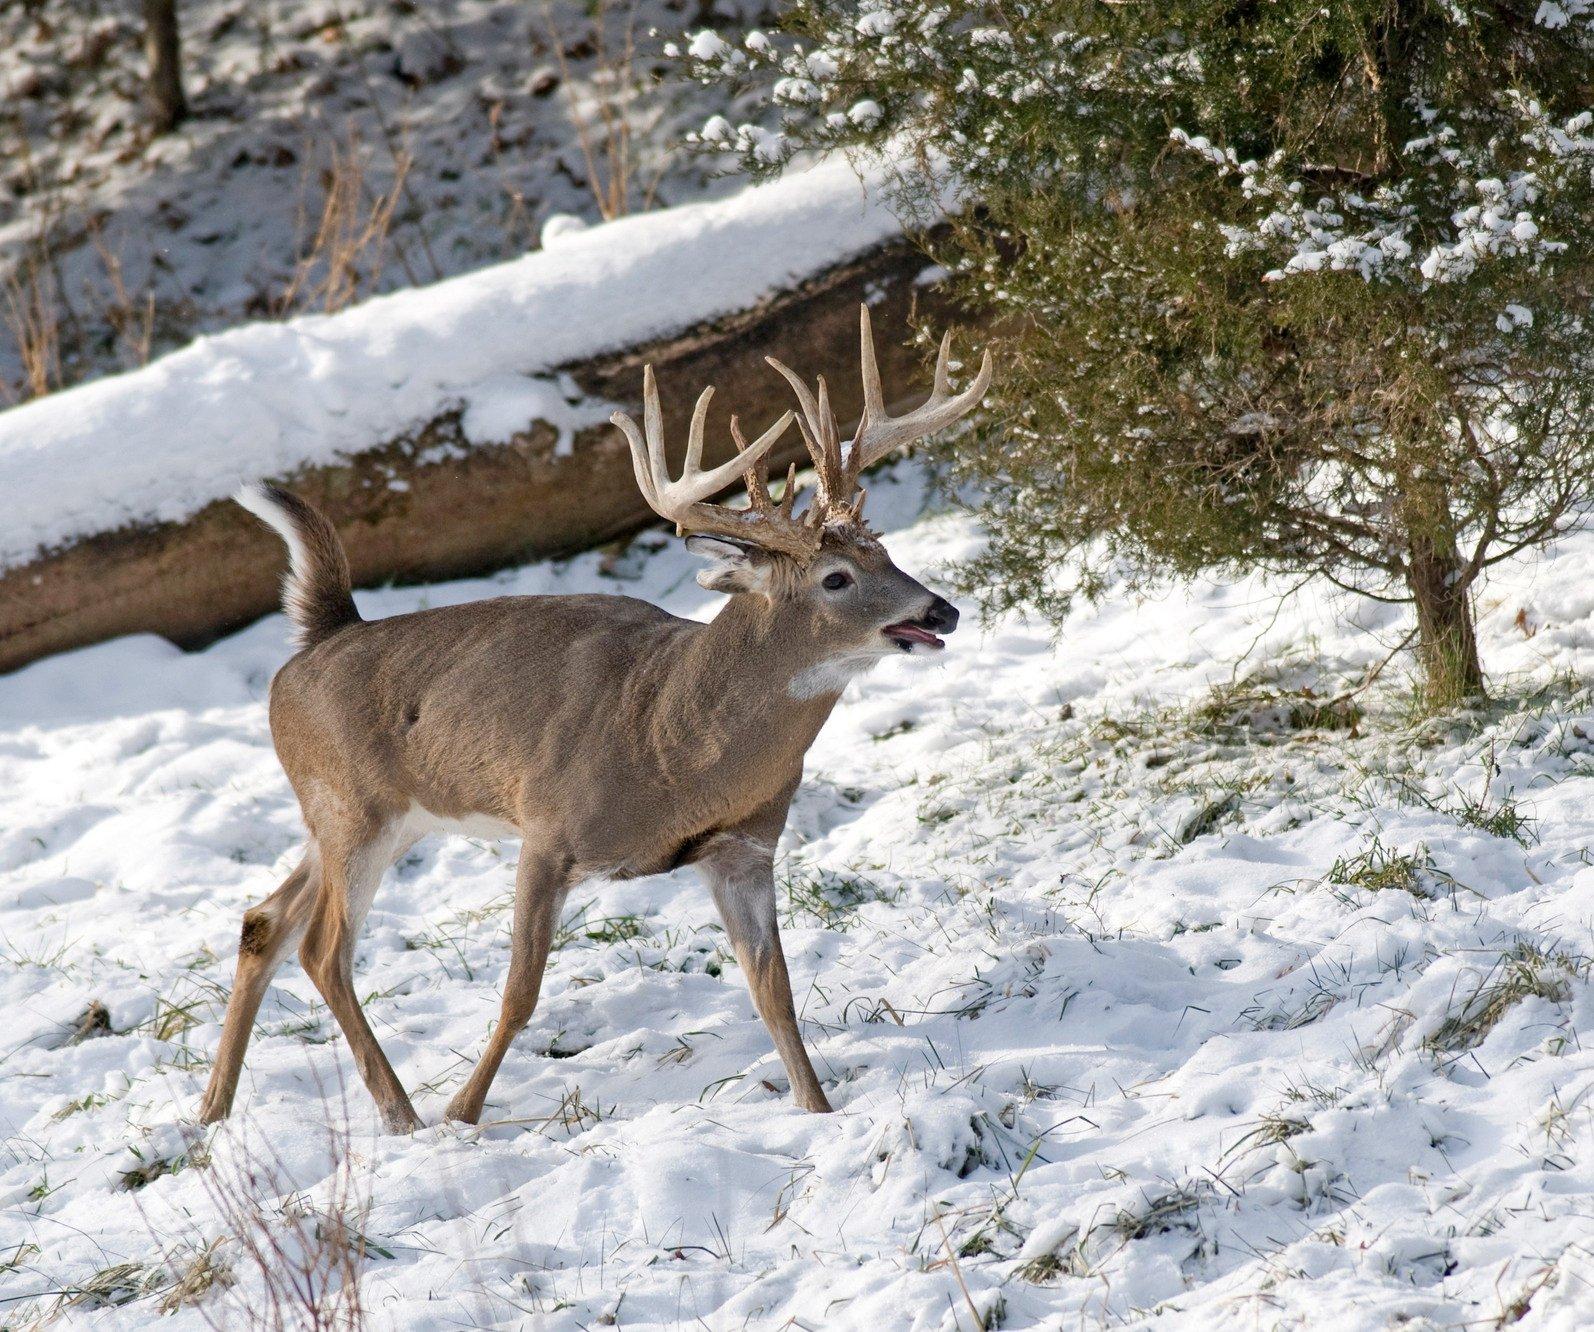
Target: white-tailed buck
{"points": [[611, 737]]}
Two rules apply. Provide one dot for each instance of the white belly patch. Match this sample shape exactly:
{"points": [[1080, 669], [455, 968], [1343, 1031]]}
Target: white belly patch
{"points": [[421, 822]]}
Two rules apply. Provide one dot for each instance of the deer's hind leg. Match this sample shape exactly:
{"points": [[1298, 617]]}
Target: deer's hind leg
{"points": [[270, 931], [355, 853]]}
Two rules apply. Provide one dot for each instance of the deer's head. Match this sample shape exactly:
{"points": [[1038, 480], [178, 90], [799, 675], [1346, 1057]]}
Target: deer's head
{"points": [[832, 589]]}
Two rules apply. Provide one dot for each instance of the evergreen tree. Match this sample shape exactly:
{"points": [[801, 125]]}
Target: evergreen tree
{"points": [[1287, 285]]}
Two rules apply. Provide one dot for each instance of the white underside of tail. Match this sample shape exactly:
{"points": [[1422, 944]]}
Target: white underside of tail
{"points": [[253, 497]]}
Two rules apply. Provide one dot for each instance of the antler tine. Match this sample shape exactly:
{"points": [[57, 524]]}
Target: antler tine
{"points": [[756, 477], [943, 359], [822, 436], [878, 433], [816, 513], [675, 499], [874, 407], [812, 420], [694, 434], [644, 463], [684, 501], [833, 479]]}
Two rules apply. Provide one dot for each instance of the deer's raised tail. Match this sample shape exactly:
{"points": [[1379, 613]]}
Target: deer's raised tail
{"points": [[316, 593]]}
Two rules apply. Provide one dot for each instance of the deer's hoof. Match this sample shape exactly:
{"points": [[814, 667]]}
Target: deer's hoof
{"points": [[462, 1111], [211, 1114], [401, 1119]]}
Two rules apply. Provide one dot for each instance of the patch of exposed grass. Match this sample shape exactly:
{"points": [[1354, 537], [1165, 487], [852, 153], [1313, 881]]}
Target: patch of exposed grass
{"points": [[891, 732], [613, 929], [445, 940], [92, 1101], [1272, 1128], [687, 951], [1173, 1210], [1502, 819], [45, 956], [1052, 1267], [151, 1168], [600, 929], [1080, 1255], [831, 898], [1286, 1017], [1522, 972], [110, 1287], [1380, 870], [1312, 1094], [205, 1272], [174, 1015], [1255, 703]]}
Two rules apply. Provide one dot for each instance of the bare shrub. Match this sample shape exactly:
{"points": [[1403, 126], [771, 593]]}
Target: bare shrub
{"points": [[131, 318], [290, 1261], [603, 119], [348, 249], [32, 319]]}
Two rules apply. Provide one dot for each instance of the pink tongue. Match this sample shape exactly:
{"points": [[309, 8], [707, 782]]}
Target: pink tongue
{"points": [[915, 633]]}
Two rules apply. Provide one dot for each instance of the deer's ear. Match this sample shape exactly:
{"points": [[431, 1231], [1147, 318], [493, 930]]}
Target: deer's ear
{"points": [[735, 566]]}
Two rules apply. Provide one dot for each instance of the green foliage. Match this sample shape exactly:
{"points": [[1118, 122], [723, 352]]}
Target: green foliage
{"points": [[832, 899], [1287, 286], [1379, 870]]}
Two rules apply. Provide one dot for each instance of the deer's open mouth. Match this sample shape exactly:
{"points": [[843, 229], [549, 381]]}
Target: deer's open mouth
{"points": [[906, 635]]}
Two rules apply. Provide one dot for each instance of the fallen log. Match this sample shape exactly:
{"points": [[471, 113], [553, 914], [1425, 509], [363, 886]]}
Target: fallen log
{"points": [[431, 504]]}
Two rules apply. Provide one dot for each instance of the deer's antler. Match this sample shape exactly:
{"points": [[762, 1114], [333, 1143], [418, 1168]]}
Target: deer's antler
{"points": [[877, 433], [684, 501]]}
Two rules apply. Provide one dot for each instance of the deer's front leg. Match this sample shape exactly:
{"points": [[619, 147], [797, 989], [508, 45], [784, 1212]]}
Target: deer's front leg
{"points": [[741, 874], [541, 881]]}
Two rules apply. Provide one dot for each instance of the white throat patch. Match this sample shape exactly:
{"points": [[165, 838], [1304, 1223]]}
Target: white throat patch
{"points": [[831, 677]]}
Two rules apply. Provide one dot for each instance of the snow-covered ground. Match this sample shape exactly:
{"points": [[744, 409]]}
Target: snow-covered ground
{"points": [[500, 112], [1142, 999]]}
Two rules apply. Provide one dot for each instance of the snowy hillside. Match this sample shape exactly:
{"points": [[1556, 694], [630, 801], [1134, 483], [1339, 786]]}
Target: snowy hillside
{"points": [[334, 150], [1148, 991]]}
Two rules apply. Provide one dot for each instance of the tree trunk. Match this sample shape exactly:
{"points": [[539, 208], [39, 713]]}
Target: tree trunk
{"points": [[1447, 646], [167, 105]]}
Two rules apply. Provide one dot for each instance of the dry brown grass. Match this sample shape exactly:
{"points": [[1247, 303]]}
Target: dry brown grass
{"points": [[603, 124], [284, 1260], [130, 317], [32, 318], [345, 254], [207, 1270]]}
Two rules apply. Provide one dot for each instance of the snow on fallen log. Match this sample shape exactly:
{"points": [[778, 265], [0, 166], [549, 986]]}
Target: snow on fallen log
{"points": [[159, 443], [447, 431]]}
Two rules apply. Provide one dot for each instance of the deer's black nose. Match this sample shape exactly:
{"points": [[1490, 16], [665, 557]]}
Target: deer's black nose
{"points": [[942, 617]]}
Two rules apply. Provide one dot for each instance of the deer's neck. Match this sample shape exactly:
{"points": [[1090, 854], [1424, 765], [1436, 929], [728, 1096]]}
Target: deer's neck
{"points": [[731, 685]]}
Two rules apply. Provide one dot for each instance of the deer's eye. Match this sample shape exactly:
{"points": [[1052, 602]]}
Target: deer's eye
{"points": [[834, 582]]}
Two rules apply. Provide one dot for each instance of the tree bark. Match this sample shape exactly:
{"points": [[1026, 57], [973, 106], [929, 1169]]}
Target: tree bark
{"points": [[167, 105], [1447, 644]]}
